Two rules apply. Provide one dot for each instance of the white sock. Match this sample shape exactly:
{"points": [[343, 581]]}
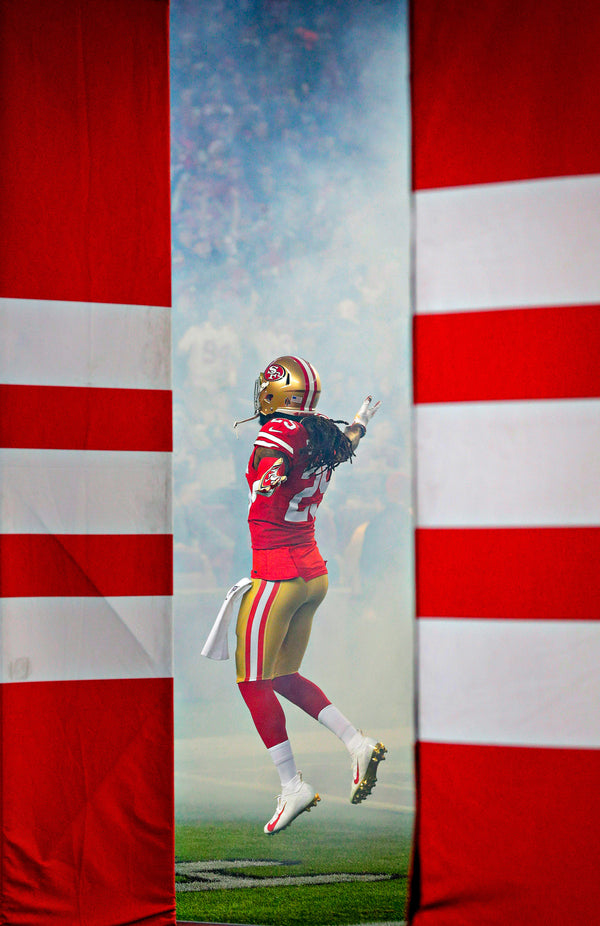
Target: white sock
{"points": [[283, 758], [335, 721]]}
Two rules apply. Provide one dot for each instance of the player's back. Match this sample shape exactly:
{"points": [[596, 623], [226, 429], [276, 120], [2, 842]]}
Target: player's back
{"points": [[287, 517]]}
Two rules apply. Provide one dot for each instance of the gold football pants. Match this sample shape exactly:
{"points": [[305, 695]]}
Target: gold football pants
{"points": [[273, 626]]}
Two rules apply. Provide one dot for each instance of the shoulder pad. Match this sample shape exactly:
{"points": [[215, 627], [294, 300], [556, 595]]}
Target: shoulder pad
{"points": [[282, 434]]}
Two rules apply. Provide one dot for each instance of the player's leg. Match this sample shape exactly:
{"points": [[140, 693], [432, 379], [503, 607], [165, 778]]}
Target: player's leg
{"points": [[262, 625], [365, 752], [293, 646], [287, 680]]}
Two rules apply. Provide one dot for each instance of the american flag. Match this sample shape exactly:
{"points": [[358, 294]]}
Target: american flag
{"points": [[506, 165], [85, 461]]}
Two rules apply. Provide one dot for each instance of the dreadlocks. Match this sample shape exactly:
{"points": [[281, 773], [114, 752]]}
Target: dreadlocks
{"points": [[328, 446]]}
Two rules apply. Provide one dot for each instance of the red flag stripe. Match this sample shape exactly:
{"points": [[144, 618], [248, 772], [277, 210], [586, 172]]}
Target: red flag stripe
{"points": [[521, 573], [76, 418], [36, 565], [500, 835], [486, 82], [85, 196], [103, 804], [542, 353]]}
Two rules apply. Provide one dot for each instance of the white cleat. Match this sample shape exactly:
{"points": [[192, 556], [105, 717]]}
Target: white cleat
{"points": [[365, 761], [296, 797]]}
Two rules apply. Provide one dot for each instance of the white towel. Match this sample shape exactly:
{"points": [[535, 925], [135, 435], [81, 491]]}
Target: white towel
{"points": [[216, 646]]}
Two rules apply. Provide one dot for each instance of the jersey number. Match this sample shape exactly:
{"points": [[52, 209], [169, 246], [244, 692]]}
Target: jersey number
{"points": [[291, 425], [300, 507]]}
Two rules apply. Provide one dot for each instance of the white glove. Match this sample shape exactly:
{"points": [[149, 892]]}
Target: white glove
{"points": [[366, 412]]}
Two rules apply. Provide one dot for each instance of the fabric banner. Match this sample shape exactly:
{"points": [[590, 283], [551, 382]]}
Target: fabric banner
{"points": [[506, 180], [85, 464]]}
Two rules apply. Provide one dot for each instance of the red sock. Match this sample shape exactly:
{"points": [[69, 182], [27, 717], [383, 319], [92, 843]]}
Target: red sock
{"points": [[302, 692], [267, 712]]}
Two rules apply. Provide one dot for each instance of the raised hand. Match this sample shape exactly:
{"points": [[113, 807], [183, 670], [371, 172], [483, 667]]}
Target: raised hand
{"points": [[366, 412]]}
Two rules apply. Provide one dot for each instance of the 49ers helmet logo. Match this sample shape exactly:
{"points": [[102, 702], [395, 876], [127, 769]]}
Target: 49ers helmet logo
{"points": [[274, 372]]}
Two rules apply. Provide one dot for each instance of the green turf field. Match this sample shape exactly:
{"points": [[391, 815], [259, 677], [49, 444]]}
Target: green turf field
{"points": [[312, 849]]}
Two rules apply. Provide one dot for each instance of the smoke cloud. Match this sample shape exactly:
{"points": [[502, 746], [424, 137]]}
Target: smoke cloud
{"points": [[291, 235]]}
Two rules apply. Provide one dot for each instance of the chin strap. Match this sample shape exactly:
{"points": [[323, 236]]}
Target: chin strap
{"points": [[243, 420]]}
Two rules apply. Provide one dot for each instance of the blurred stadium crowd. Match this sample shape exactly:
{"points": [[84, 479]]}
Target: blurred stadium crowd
{"points": [[289, 192]]}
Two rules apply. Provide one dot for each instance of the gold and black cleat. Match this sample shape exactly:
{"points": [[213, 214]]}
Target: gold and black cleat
{"points": [[362, 788]]}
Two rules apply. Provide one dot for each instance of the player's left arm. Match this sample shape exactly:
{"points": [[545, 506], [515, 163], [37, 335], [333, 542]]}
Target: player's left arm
{"points": [[358, 428]]}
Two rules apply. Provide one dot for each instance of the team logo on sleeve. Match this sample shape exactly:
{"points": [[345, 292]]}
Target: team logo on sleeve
{"points": [[274, 372]]}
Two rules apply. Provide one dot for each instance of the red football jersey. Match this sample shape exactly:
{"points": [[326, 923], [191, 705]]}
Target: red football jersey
{"points": [[287, 517]]}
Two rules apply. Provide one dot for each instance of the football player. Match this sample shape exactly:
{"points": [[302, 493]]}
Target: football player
{"points": [[293, 457]]}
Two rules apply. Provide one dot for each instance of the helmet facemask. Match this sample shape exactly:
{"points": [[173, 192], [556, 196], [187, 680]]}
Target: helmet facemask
{"points": [[257, 388]]}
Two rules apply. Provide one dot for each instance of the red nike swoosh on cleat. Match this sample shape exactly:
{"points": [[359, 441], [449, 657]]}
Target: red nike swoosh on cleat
{"points": [[357, 777], [271, 826]]}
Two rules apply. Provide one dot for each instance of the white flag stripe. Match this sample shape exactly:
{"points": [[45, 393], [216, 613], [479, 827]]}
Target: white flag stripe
{"points": [[530, 243], [84, 492], [48, 343], [508, 463], [477, 684], [66, 639]]}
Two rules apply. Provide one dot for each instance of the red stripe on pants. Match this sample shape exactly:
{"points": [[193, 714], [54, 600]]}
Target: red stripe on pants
{"points": [[261, 631], [255, 603]]}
